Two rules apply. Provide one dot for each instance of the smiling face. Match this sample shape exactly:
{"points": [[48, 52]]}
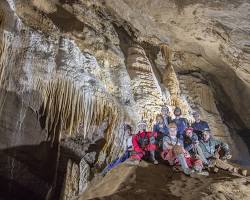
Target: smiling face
{"points": [[197, 117]]}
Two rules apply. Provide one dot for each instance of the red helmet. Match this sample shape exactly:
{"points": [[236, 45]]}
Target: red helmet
{"points": [[189, 129]]}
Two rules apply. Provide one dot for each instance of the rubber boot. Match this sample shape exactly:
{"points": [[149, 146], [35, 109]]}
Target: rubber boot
{"points": [[152, 156]]}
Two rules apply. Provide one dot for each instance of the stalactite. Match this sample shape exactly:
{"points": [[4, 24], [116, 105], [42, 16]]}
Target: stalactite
{"points": [[65, 107], [3, 61], [3, 52]]}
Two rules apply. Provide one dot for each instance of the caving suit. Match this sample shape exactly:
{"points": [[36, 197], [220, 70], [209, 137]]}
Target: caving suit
{"points": [[144, 142]]}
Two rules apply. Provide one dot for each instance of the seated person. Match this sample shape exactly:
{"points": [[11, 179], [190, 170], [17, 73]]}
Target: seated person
{"points": [[213, 148], [191, 144], [182, 123], [127, 153], [199, 125], [144, 144], [216, 152], [174, 152], [165, 114], [161, 129]]}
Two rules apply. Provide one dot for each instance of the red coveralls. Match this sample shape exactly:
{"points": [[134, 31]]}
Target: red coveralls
{"points": [[142, 142]]}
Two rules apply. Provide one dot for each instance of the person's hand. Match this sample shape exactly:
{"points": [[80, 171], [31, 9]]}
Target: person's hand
{"points": [[197, 157], [130, 149], [228, 156], [196, 143], [216, 154], [178, 149]]}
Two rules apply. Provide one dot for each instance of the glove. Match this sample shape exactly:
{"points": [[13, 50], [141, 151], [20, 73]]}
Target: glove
{"points": [[227, 156], [196, 143]]}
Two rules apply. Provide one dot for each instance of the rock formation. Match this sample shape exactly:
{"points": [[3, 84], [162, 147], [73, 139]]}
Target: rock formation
{"points": [[73, 72]]}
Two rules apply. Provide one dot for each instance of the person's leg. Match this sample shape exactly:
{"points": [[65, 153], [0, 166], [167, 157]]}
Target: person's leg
{"points": [[151, 147], [182, 161], [152, 157], [201, 155], [223, 165], [125, 156], [134, 158], [197, 164], [169, 156], [136, 155], [164, 143], [110, 166], [179, 152]]}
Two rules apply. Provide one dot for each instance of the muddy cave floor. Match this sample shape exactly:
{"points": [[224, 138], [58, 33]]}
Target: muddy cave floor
{"points": [[148, 181]]}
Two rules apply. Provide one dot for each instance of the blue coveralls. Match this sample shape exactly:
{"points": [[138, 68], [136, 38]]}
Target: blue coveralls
{"points": [[158, 129], [116, 162], [161, 132], [182, 124]]}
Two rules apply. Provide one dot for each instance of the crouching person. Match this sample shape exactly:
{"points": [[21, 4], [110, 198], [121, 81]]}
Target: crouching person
{"points": [[143, 144], [217, 152], [174, 152], [127, 153], [213, 148]]}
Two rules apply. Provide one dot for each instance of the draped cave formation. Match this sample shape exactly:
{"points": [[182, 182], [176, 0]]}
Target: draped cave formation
{"points": [[73, 72]]}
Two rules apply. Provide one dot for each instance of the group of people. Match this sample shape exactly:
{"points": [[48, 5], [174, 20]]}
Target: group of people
{"points": [[189, 148]]}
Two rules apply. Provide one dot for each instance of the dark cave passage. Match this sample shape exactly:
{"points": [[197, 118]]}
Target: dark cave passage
{"points": [[240, 134]]}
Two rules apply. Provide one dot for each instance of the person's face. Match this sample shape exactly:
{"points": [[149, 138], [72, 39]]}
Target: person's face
{"points": [[197, 117], [164, 111], [129, 132], [206, 136], [142, 127], [172, 131], [189, 133], [159, 120], [177, 113]]}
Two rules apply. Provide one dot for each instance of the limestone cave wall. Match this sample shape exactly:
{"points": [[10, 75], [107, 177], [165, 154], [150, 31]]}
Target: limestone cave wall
{"points": [[73, 72]]}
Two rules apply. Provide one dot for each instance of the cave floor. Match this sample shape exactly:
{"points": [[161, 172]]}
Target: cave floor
{"points": [[148, 181]]}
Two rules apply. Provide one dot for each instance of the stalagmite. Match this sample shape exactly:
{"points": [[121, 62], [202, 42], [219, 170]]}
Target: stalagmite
{"points": [[169, 76], [170, 80], [147, 94]]}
